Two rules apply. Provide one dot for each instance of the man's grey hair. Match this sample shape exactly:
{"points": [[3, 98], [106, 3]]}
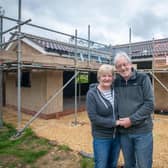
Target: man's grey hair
{"points": [[121, 54]]}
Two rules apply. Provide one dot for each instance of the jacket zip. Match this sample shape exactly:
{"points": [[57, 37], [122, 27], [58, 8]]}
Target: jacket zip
{"points": [[114, 132]]}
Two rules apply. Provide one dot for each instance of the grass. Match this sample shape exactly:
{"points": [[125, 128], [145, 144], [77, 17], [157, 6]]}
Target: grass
{"points": [[64, 148], [86, 162], [27, 149]]}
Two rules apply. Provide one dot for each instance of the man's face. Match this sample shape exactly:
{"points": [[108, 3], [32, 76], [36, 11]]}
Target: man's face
{"points": [[124, 67]]}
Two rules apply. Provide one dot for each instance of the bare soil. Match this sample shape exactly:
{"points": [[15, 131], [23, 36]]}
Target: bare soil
{"points": [[75, 132], [59, 159]]}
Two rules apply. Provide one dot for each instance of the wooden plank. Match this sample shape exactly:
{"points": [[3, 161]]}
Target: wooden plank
{"points": [[49, 60], [161, 96]]}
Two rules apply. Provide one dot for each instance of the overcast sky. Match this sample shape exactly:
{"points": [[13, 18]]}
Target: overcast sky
{"points": [[110, 20]]}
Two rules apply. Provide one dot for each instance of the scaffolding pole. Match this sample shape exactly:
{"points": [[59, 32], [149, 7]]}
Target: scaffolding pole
{"points": [[19, 67], [58, 32], [153, 65], [1, 68], [17, 26], [89, 44], [130, 40], [76, 72], [1, 97], [155, 77], [1, 25], [79, 89], [61, 33]]}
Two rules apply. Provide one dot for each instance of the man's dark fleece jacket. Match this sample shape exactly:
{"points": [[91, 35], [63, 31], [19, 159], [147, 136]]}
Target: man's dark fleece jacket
{"points": [[135, 100]]}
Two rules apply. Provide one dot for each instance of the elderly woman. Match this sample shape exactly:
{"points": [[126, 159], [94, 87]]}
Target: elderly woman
{"points": [[100, 105]]}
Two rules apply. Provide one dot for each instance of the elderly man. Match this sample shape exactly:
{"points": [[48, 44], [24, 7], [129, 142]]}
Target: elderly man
{"points": [[135, 105]]}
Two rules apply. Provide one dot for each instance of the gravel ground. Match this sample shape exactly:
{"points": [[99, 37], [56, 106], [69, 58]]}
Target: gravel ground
{"points": [[76, 133]]}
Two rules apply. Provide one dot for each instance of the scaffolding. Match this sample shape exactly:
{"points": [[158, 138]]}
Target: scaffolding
{"points": [[18, 64], [159, 54], [159, 69], [76, 66]]}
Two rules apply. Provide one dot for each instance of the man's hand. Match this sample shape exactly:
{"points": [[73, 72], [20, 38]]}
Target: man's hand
{"points": [[125, 122]]}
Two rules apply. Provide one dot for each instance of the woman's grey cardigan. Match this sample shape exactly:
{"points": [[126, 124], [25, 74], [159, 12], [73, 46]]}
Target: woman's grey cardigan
{"points": [[101, 114]]}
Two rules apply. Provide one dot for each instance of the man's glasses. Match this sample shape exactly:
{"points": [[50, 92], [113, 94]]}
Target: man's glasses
{"points": [[119, 66]]}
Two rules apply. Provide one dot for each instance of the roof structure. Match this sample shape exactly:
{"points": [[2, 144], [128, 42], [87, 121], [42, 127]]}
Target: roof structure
{"points": [[48, 46], [139, 51], [152, 50]]}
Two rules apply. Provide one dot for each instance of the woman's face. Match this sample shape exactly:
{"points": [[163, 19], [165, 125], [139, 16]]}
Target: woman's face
{"points": [[105, 80]]}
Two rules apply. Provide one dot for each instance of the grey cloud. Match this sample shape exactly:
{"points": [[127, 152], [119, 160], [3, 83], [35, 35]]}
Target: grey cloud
{"points": [[74, 11], [106, 17], [146, 24]]}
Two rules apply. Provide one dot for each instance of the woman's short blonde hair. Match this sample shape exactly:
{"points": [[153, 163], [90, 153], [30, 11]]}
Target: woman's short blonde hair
{"points": [[105, 69]]}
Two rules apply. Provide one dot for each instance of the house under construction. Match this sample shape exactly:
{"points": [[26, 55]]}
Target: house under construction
{"points": [[46, 67], [48, 64], [51, 67]]}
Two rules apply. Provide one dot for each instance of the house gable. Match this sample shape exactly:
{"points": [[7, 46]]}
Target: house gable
{"points": [[27, 47]]}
